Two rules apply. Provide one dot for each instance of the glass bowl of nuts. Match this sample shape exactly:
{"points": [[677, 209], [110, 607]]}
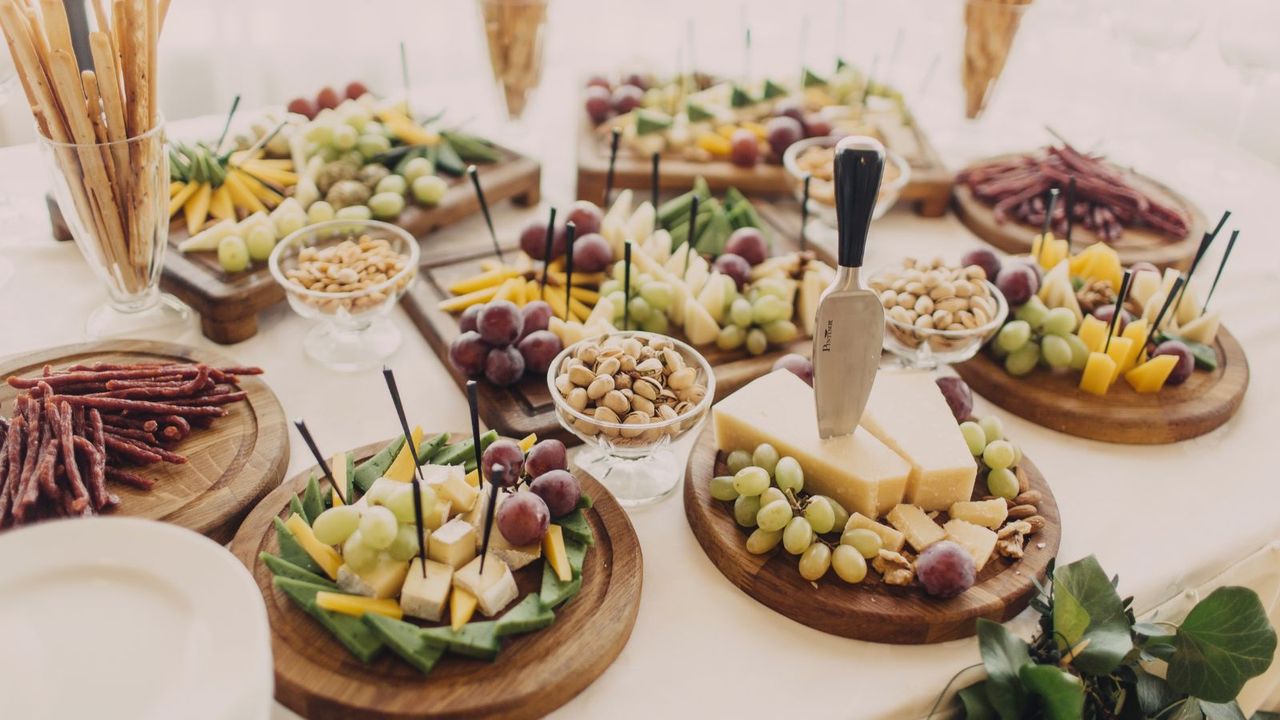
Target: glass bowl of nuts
{"points": [[636, 399], [815, 157], [347, 275], [935, 313]]}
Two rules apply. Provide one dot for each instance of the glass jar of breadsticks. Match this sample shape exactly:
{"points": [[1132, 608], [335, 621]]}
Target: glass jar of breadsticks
{"points": [[990, 27], [515, 36]]}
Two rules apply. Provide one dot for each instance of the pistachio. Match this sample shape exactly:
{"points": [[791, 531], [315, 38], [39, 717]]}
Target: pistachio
{"points": [[616, 401], [682, 378], [587, 353], [650, 368], [581, 376], [631, 346], [599, 386], [577, 399], [642, 404], [564, 384], [694, 393], [622, 381], [605, 415], [647, 388], [628, 363]]}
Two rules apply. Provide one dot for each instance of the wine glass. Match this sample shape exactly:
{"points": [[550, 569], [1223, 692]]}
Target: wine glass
{"points": [[8, 82]]}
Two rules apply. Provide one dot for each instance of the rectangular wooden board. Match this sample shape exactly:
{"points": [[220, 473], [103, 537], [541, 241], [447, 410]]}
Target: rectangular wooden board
{"points": [[527, 406]]}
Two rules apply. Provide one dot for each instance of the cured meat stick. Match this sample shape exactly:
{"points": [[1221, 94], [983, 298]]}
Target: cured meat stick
{"points": [[131, 423], [13, 462], [218, 399], [96, 466], [99, 439], [143, 406], [127, 450], [127, 478], [66, 438], [139, 435], [162, 454]]}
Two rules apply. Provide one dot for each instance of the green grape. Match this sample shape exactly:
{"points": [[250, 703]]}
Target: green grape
{"points": [[849, 564], [392, 184], [777, 287], [1056, 351], [773, 494], [757, 341], [405, 546], [233, 254], [656, 323], [974, 436], [737, 460], [1002, 483], [751, 481], [760, 541], [1017, 456], [765, 457], [788, 474], [774, 516], [992, 427], [865, 541], [319, 212], [1059, 321], [798, 536], [740, 312], [370, 145], [1023, 360], [745, 509], [400, 503], [378, 525], [815, 562], [1032, 312], [768, 308], [358, 554], [354, 212], [616, 298], [320, 133], [842, 515], [610, 286], [344, 137], [1079, 352], [336, 524], [731, 337], [1013, 335], [820, 515], [657, 294], [722, 488], [780, 331], [640, 309], [998, 455]]}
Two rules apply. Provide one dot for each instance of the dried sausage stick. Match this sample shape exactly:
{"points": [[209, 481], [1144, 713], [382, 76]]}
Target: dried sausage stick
{"points": [[142, 406]]}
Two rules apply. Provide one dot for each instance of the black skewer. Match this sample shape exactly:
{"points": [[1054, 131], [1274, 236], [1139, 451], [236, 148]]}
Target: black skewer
{"points": [[693, 235], [613, 159], [1048, 220], [653, 189], [1218, 276], [404, 79], [315, 452], [570, 230], [1201, 251], [546, 252], [804, 212], [626, 286], [1222, 221], [390, 377], [474, 174], [1168, 301], [1119, 308], [474, 405], [1071, 204]]}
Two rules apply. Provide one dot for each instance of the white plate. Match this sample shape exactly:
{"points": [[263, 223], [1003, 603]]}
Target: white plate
{"points": [[125, 618]]}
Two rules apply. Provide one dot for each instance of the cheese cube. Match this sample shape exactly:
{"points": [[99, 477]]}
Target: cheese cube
{"points": [[919, 531], [859, 471], [515, 556], [1136, 332], [476, 515], [1150, 376], [1203, 329], [987, 513], [908, 413], [890, 539], [450, 483], [454, 544], [1093, 332], [426, 597], [462, 605], [977, 540], [1098, 370], [438, 516], [494, 590], [383, 581], [1118, 351]]}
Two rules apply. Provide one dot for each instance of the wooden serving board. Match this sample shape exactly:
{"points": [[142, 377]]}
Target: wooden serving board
{"points": [[532, 675], [229, 303], [870, 610], [1178, 412], [527, 407], [230, 466], [929, 188], [1137, 244]]}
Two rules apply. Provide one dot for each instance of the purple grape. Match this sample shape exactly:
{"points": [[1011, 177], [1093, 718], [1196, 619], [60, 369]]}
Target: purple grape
{"points": [[792, 109], [504, 366], [535, 316], [637, 80], [782, 132], [599, 81], [984, 258], [504, 461], [533, 241], [559, 489], [744, 148], [945, 569], [544, 457], [467, 354], [523, 518], [735, 267], [591, 253], [798, 364], [1018, 283], [467, 320], [816, 126], [586, 217], [627, 98], [1186, 361], [599, 103], [958, 396], [1105, 313], [749, 244], [499, 323], [538, 349]]}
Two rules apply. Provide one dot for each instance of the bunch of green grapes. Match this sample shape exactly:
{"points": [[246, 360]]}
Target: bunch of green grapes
{"points": [[758, 318], [1038, 335], [986, 441], [650, 299], [767, 492], [385, 526]]}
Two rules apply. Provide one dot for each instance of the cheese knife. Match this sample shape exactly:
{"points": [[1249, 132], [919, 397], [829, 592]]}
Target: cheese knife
{"points": [[850, 320]]}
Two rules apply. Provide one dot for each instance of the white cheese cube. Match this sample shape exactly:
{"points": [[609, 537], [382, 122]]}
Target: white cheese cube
{"points": [[987, 513], [890, 539], [450, 483], [919, 530], [977, 540], [425, 597], [515, 556], [381, 582], [438, 516], [454, 544], [494, 590], [476, 515]]}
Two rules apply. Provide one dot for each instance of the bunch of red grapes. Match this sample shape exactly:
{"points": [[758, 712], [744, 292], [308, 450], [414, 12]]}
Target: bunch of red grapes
{"points": [[553, 491], [326, 99], [500, 341]]}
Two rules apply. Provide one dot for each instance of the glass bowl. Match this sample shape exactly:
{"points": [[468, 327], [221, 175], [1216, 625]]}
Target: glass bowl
{"points": [[890, 188], [347, 275], [922, 347], [640, 461]]}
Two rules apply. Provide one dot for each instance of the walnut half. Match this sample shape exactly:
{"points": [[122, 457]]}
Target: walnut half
{"points": [[894, 568], [1011, 538]]}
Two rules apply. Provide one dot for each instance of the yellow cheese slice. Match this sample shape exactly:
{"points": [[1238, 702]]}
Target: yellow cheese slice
{"points": [[1098, 371], [325, 556], [917, 527], [1093, 332], [357, 605], [977, 540], [1136, 333], [528, 442], [1118, 350], [462, 605], [1150, 376], [402, 469], [553, 549]]}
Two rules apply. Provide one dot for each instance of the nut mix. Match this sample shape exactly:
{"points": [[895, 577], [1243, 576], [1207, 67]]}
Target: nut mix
{"points": [[927, 300], [351, 266], [633, 381]]}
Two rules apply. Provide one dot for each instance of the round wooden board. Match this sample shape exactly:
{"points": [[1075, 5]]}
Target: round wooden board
{"points": [[870, 610], [230, 465], [1178, 412], [1135, 244], [532, 675]]}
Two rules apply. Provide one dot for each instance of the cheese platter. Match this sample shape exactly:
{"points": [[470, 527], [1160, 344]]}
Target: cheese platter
{"points": [[343, 639], [157, 431]]}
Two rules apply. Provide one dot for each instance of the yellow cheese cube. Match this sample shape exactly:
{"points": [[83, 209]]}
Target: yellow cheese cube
{"points": [[977, 540], [1053, 252], [402, 468], [987, 513], [494, 589], [908, 413], [553, 546], [1118, 349], [858, 470], [476, 515], [357, 605], [449, 482], [462, 605], [1098, 371], [383, 581], [1093, 332], [890, 539], [438, 516], [919, 530], [454, 544], [1136, 333], [326, 557], [1150, 376], [425, 595]]}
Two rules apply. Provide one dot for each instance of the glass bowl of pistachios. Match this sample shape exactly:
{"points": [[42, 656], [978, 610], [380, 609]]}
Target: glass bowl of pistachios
{"points": [[636, 400]]}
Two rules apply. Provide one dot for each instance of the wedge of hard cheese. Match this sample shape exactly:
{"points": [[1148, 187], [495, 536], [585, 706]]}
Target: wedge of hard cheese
{"points": [[859, 471], [907, 412]]}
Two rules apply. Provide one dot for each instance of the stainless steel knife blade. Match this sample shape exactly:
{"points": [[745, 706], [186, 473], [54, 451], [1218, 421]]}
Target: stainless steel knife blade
{"points": [[849, 331]]}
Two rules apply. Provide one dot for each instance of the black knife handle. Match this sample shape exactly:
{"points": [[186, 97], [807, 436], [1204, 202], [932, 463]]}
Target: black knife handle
{"points": [[859, 164]]}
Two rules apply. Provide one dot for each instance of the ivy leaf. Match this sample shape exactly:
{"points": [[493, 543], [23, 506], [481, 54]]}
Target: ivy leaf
{"points": [[1152, 630], [976, 704], [1221, 711], [1061, 694], [1224, 641], [1264, 715], [1004, 655], [1087, 606], [1154, 693], [1188, 709]]}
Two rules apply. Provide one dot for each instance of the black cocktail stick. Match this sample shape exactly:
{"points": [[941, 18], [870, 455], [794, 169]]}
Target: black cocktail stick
{"points": [[804, 212], [626, 286], [613, 159], [546, 252], [570, 230], [1168, 301], [1048, 221], [474, 405], [1119, 308], [474, 174], [1217, 276], [315, 452], [390, 377]]}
